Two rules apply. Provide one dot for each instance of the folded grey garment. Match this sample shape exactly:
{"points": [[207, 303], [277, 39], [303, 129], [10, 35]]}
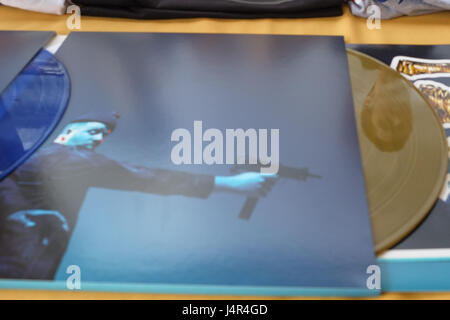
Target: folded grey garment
{"points": [[45, 6], [394, 8]]}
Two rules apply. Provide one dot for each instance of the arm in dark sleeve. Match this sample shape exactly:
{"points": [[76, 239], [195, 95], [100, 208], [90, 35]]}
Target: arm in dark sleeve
{"points": [[115, 175], [11, 198]]}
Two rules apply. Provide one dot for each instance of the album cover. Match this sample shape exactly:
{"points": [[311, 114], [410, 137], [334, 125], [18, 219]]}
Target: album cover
{"points": [[185, 163], [421, 260]]}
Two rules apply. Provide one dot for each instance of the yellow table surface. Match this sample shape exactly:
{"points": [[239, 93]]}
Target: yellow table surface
{"points": [[429, 29]]}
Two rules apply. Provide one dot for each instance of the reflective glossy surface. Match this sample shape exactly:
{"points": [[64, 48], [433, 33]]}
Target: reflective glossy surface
{"points": [[403, 149], [30, 108]]}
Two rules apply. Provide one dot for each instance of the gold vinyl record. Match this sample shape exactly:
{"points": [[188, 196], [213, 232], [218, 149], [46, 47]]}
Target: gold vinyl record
{"points": [[403, 148]]}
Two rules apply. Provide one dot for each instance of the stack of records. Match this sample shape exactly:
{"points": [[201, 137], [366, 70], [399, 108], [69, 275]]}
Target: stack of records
{"points": [[223, 164]]}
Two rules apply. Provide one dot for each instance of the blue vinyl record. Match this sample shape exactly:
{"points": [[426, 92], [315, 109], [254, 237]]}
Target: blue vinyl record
{"points": [[30, 108]]}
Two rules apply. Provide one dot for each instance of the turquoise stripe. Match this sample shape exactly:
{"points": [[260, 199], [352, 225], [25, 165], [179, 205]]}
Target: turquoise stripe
{"points": [[413, 275], [189, 289]]}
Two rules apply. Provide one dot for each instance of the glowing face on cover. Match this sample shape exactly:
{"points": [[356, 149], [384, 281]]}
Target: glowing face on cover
{"points": [[83, 134]]}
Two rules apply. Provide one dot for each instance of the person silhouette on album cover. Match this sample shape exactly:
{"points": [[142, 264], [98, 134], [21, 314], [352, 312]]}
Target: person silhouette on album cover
{"points": [[40, 201]]}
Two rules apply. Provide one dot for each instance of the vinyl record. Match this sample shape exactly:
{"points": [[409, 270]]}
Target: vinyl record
{"points": [[30, 108], [403, 148]]}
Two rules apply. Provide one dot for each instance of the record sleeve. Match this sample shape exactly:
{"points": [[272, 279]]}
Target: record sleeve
{"points": [[168, 139]]}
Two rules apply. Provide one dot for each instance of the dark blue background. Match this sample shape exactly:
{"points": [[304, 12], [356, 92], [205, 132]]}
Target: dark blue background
{"points": [[313, 233], [17, 49]]}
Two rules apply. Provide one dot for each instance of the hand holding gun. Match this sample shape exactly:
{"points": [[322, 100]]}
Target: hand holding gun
{"points": [[300, 174]]}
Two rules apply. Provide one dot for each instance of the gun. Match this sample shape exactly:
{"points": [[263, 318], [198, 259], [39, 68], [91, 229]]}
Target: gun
{"points": [[300, 174]]}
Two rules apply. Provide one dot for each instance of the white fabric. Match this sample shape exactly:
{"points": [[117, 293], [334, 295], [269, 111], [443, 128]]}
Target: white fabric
{"points": [[53, 45], [444, 4], [394, 8], [46, 6]]}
